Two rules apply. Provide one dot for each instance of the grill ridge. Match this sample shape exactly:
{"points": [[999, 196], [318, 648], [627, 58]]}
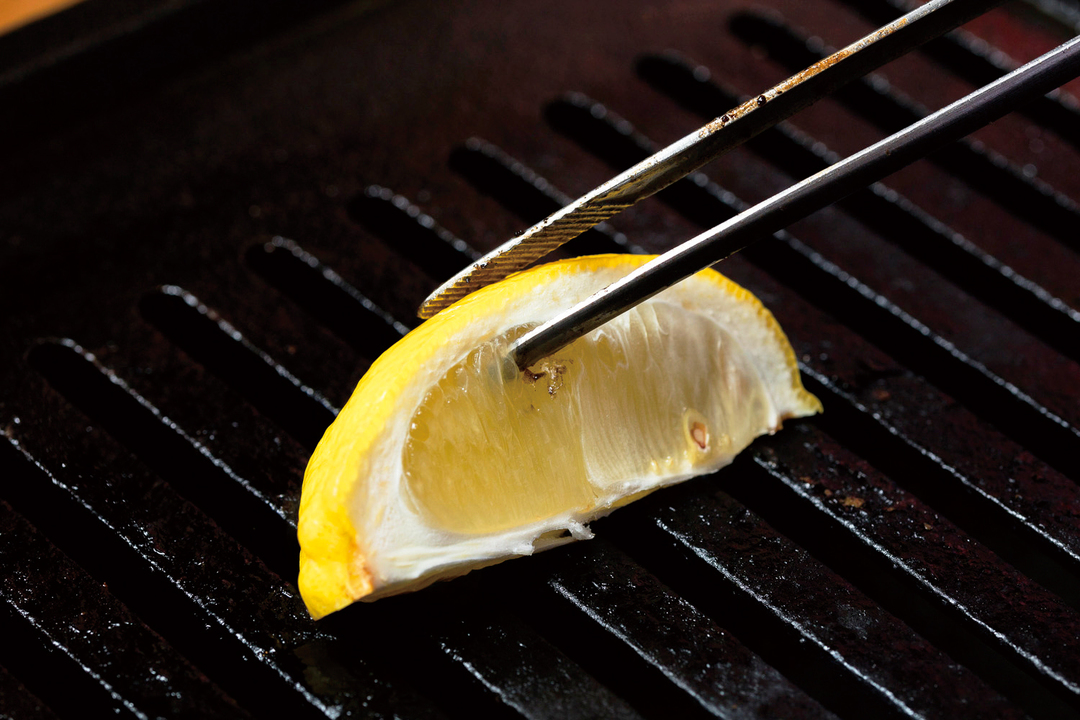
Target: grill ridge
{"points": [[834, 658], [418, 236], [77, 614], [884, 210], [978, 62], [213, 343], [872, 98], [171, 451], [528, 195], [186, 602], [577, 611], [315, 287], [966, 585]]}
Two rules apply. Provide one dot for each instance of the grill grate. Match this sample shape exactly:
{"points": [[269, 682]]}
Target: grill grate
{"points": [[169, 360]]}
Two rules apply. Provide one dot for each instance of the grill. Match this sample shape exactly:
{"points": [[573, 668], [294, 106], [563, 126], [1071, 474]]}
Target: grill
{"points": [[215, 215]]}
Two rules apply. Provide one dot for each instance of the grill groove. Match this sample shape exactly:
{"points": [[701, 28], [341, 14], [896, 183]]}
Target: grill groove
{"points": [[78, 616], [989, 172]]}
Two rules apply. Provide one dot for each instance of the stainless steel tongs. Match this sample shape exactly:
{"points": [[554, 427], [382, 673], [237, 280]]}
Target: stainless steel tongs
{"points": [[730, 130]]}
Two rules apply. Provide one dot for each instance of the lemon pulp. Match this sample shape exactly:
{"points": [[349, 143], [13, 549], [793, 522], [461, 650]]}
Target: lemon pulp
{"points": [[484, 454]]}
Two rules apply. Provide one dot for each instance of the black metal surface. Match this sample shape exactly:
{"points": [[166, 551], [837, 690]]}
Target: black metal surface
{"points": [[990, 173], [168, 359], [701, 146], [881, 668], [889, 214], [979, 62], [84, 622]]}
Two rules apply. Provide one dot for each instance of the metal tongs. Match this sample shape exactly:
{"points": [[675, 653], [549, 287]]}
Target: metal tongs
{"points": [[730, 130]]}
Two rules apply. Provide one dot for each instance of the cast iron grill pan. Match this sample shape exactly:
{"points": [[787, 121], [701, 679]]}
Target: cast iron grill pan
{"points": [[199, 267]]}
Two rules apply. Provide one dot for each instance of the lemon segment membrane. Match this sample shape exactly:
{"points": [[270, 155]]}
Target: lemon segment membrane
{"points": [[439, 465], [603, 418]]}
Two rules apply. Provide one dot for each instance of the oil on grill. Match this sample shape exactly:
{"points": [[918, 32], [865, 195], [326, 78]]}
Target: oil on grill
{"points": [[200, 256]]}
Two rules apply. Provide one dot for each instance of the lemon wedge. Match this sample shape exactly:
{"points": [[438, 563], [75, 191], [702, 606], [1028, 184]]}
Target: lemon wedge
{"points": [[438, 465]]}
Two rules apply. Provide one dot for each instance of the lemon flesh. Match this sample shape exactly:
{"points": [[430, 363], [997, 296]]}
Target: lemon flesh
{"points": [[438, 464], [604, 410]]}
